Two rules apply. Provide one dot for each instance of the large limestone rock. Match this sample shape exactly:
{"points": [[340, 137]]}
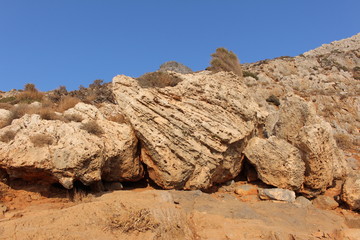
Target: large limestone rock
{"points": [[277, 162], [324, 161], [351, 192], [298, 123], [193, 134], [55, 151]]}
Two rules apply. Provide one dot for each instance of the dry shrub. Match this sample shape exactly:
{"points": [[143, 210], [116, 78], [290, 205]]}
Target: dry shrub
{"points": [[158, 79], [250, 74], [343, 141], [30, 96], [119, 118], [8, 136], [5, 122], [6, 106], [48, 114], [74, 117], [40, 140], [133, 220], [9, 100], [67, 102], [20, 110], [225, 60], [97, 92], [93, 128], [30, 87]]}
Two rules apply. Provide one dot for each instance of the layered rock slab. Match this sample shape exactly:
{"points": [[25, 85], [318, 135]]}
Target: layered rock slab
{"points": [[69, 153], [193, 134]]}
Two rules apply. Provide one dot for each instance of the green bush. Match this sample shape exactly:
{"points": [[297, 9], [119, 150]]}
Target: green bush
{"points": [[225, 60]]}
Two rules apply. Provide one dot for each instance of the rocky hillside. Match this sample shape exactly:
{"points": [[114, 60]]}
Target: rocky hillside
{"points": [[288, 126]]}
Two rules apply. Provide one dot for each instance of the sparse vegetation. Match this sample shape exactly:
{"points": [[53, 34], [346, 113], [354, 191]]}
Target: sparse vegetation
{"points": [[250, 74], [93, 128], [97, 92], [40, 140], [8, 100], [48, 114], [6, 106], [139, 220], [8, 136], [225, 60], [30, 94], [74, 117], [159, 79], [67, 102], [274, 100]]}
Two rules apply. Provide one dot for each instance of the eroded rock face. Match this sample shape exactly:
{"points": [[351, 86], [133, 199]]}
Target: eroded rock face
{"points": [[277, 162], [193, 134], [298, 123], [324, 161], [55, 151]]}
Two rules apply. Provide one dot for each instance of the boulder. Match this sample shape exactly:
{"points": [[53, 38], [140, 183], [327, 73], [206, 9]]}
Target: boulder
{"points": [[192, 134], [298, 124], [302, 202], [4, 114], [277, 194], [351, 192], [323, 160], [55, 151], [325, 202], [175, 67], [277, 162]]}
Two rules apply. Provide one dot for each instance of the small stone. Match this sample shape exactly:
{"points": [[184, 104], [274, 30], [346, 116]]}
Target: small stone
{"points": [[249, 198], [325, 202], [302, 202], [245, 190], [277, 194]]}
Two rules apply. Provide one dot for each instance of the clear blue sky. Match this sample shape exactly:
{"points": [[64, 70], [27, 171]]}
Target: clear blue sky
{"points": [[73, 42]]}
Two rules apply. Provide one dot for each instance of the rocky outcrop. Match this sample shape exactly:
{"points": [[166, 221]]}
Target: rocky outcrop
{"points": [[55, 151], [175, 67], [193, 134], [277, 162], [327, 76]]}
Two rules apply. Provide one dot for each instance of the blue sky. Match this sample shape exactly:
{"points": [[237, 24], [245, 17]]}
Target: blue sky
{"points": [[73, 42]]}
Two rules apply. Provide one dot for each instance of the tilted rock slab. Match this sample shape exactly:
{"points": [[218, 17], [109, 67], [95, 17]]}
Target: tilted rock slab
{"points": [[277, 162], [72, 153], [193, 134]]}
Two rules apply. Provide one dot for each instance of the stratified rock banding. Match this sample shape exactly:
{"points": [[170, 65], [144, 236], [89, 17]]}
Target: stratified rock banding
{"points": [[193, 134]]}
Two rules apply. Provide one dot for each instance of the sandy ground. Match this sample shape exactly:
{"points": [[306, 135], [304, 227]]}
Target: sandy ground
{"points": [[37, 212]]}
